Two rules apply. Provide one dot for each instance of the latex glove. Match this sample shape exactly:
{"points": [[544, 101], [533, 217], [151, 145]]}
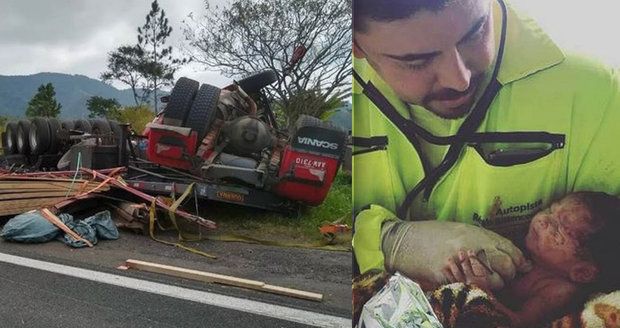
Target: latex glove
{"points": [[419, 249], [472, 270]]}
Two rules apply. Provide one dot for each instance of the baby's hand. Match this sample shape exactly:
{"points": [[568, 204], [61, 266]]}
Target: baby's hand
{"points": [[469, 269]]}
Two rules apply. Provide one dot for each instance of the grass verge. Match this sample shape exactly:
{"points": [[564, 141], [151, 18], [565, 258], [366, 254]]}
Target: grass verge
{"points": [[270, 226]]}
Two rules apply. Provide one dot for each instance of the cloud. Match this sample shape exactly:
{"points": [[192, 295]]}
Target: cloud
{"points": [[75, 36]]}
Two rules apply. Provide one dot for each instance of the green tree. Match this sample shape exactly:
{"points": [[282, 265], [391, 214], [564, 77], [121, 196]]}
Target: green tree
{"points": [[124, 65], [103, 107], [159, 64], [137, 116], [247, 36], [308, 102], [44, 103]]}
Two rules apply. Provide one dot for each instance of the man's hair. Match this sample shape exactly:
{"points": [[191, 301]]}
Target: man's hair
{"points": [[602, 246], [390, 10]]}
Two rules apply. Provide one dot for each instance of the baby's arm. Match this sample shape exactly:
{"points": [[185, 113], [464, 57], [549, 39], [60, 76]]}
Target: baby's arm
{"points": [[543, 305]]}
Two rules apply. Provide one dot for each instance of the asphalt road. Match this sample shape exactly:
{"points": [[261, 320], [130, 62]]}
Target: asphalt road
{"points": [[83, 288], [36, 298]]}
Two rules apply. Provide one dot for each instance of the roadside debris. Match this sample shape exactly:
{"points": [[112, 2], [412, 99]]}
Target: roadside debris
{"points": [[116, 183], [331, 230], [43, 225], [220, 279], [39, 195], [130, 216], [53, 219], [21, 193]]}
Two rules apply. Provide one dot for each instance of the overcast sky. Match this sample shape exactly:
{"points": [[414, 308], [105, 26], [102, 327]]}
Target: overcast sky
{"points": [[75, 36], [589, 27]]}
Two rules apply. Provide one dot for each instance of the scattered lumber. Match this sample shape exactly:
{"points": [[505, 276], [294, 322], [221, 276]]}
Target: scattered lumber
{"points": [[15, 207], [221, 279], [21, 193], [150, 199]]}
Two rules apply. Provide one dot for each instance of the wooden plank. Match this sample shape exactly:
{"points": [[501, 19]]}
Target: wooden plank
{"points": [[27, 178], [20, 206], [44, 184], [25, 191], [35, 195], [293, 292], [221, 279]]}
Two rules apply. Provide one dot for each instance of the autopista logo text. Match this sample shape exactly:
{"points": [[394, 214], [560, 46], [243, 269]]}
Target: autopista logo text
{"points": [[510, 214]]}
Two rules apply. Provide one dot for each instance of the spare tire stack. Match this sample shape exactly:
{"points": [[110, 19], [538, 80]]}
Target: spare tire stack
{"points": [[42, 136]]}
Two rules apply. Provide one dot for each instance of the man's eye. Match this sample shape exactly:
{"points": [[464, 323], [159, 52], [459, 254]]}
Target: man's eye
{"points": [[417, 66], [476, 35]]}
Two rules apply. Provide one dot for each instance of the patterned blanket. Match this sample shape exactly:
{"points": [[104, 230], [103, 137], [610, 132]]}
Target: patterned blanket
{"points": [[464, 306]]}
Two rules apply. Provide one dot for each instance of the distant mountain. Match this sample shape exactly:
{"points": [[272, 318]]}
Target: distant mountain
{"points": [[72, 92]]}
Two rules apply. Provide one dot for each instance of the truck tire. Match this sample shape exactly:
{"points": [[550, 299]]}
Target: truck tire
{"points": [[23, 130], [180, 101], [39, 136], [82, 125], [54, 139], [257, 81], [67, 125], [116, 131], [3, 142], [102, 128], [11, 138], [204, 108]]}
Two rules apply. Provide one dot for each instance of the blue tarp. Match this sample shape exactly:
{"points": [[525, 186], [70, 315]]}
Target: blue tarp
{"points": [[32, 227]]}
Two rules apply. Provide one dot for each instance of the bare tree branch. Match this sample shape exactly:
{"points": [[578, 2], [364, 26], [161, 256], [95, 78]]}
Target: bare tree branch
{"points": [[248, 36]]}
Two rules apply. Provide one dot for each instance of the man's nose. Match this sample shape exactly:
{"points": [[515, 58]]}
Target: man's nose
{"points": [[454, 74]]}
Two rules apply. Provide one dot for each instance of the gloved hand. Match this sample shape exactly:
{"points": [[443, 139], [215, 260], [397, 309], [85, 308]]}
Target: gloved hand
{"points": [[419, 250]]}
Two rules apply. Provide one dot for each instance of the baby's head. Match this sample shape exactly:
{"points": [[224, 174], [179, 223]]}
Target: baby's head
{"points": [[579, 237]]}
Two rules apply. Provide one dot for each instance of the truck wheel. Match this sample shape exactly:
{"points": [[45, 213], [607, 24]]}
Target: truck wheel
{"points": [[116, 131], [67, 125], [102, 128], [11, 138], [54, 140], [3, 142], [39, 136], [180, 101], [257, 81], [23, 132], [203, 110], [82, 125]]}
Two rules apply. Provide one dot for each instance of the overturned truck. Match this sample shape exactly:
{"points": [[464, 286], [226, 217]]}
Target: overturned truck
{"points": [[224, 142]]}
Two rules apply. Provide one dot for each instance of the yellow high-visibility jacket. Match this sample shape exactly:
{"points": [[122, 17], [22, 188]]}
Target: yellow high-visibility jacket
{"points": [[542, 89]]}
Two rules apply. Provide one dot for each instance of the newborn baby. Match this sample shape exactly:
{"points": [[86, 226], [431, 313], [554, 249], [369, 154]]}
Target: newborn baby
{"points": [[573, 246]]}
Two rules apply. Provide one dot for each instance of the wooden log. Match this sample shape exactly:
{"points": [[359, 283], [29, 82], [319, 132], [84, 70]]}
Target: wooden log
{"points": [[221, 279]]}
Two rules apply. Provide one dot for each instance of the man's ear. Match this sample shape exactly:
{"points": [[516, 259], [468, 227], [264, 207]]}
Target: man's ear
{"points": [[583, 272], [357, 51]]}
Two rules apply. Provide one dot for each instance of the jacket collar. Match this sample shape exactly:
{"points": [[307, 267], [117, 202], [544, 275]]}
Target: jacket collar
{"points": [[528, 48]]}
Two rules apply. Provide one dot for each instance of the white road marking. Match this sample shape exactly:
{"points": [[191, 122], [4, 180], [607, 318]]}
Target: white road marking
{"points": [[229, 302]]}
